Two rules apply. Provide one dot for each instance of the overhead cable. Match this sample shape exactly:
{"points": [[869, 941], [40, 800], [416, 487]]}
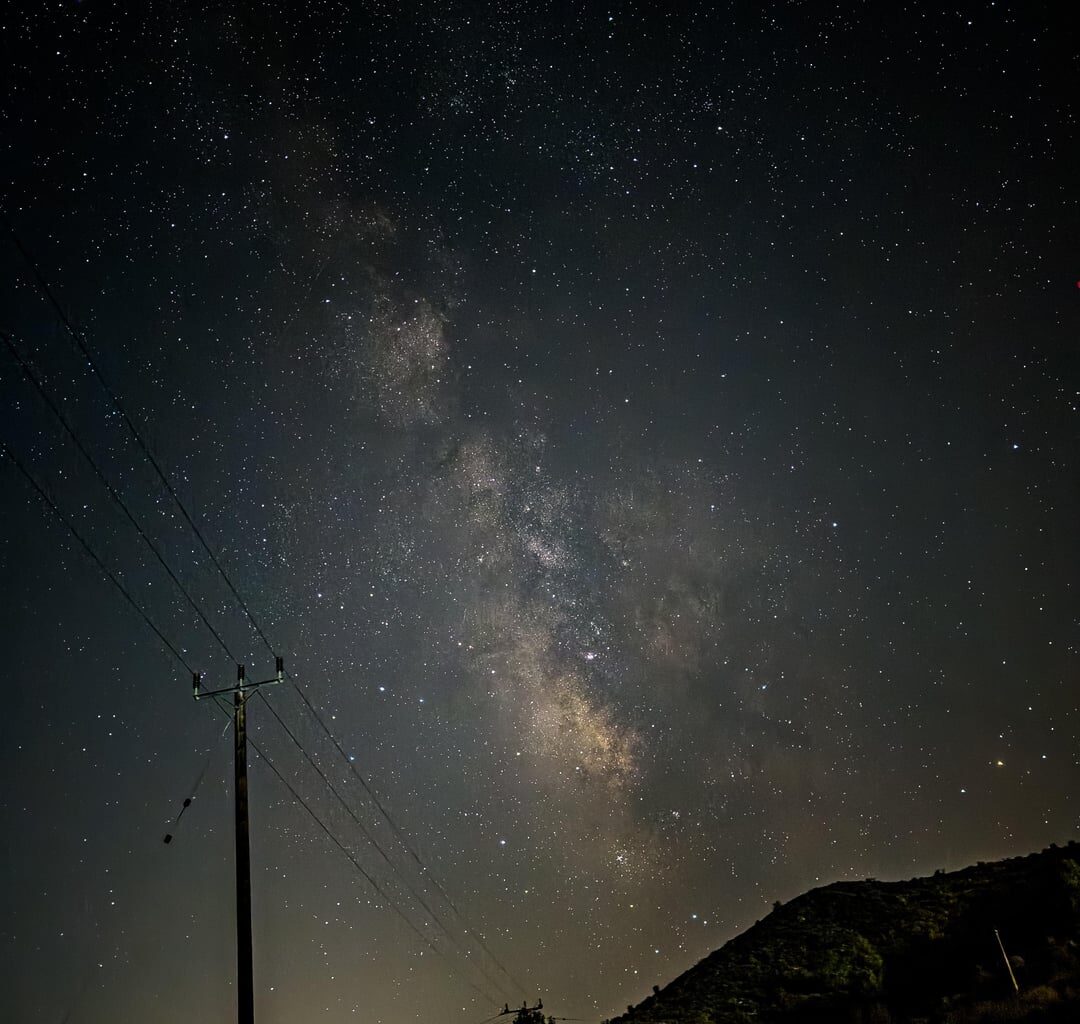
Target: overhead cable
{"points": [[84, 349], [113, 493]]}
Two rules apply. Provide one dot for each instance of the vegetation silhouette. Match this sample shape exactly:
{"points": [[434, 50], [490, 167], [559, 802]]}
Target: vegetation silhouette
{"points": [[925, 951]]}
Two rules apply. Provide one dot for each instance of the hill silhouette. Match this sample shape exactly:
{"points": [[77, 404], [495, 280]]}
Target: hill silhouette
{"points": [[898, 953]]}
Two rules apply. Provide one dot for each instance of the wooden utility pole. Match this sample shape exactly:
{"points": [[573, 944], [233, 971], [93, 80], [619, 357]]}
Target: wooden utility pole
{"points": [[245, 972], [245, 975]]}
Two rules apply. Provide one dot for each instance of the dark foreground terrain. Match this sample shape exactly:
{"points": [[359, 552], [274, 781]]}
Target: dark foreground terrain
{"points": [[890, 952]]}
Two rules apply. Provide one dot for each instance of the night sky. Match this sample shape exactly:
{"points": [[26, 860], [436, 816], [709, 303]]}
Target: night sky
{"points": [[650, 439]]}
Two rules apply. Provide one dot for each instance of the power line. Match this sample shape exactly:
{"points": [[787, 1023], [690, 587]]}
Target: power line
{"points": [[119, 500], [81, 344], [356, 864], [374, 842], [399, 834], [83, 347], [47, 500], [171, 647], [85, 544], [113, 493]]}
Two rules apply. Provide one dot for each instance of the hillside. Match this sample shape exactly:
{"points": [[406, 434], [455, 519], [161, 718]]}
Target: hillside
{"points": [[890, 952]]}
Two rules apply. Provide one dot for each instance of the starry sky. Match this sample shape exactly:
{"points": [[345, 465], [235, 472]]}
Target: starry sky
{"points": [[648, 432]]}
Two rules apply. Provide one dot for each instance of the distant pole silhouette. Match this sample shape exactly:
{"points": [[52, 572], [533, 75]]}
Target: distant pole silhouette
{"points": [[1008, 966]]}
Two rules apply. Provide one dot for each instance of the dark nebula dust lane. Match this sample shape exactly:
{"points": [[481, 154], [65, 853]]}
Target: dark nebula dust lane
{"points": [[650, 438]]}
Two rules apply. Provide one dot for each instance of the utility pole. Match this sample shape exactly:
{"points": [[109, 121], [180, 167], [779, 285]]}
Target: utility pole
{"points": [[526, 1014], [245, 974], [1008, 966]]}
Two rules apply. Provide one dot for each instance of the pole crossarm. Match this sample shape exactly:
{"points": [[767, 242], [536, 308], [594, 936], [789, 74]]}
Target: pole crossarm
{"points": [[242, 684]]}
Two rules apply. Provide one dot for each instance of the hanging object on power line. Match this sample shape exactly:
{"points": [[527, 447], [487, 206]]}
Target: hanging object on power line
{"points": [[168, 835], [194, 791]]}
